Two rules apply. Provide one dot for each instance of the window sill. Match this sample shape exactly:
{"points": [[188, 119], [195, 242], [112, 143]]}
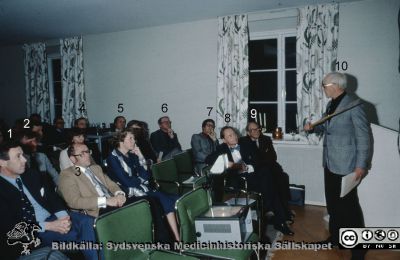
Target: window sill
{"points": [[288, 139]]}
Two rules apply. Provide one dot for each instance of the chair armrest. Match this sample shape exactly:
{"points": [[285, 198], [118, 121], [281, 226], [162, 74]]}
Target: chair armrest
{"points": [[158, 181]]}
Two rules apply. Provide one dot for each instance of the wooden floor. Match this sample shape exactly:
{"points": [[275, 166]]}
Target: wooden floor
{"points": [[309, 226]]}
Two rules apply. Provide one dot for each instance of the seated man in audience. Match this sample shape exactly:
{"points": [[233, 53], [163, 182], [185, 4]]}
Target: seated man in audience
{"points": [[119, 124], [35, 118], [38, 161], [85, 187], [239, 167], [75, 136], [81, 123], [203, 144], [55, 135], [164, 141], [28, 204], [261, 153], [37, 127]]}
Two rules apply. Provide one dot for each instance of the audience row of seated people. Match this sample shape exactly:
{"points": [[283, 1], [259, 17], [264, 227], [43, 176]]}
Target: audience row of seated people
{"points": [[89, 192], [81, 183], [251, 157]]}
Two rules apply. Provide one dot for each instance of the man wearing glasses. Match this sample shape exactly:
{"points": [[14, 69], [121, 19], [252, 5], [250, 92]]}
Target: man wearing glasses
{"points": [[262, 155], [203, 144], [26, 202], [165, 141], [346, 150], [85, 187]]}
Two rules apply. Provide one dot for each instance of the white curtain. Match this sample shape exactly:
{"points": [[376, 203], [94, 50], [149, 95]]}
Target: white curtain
{"points": [[36, 80], [317, 42], [233, 72], [74, 98]]}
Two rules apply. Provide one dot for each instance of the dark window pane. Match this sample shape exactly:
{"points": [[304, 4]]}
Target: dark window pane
{"points": [[56, 63], [263, 86], [58, 110], [57, 93], [291, 111], [291, 94], [290, 52], [266, 115], [263, 54]]}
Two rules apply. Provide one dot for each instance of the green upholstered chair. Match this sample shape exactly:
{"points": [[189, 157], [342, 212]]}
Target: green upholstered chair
{"points": [[166, 176], [184, 164], [130, 224], [193, 204]]}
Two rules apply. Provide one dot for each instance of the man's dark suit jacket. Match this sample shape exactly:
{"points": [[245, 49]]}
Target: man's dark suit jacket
{"points": [[161, 142], [11, 207], [261, 156], [222, 149], [264, 159]]}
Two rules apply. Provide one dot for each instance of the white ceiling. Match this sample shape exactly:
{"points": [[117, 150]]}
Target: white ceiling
{"points": [[24, 21]]}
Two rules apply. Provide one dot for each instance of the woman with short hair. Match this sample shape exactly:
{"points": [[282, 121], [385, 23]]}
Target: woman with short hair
{"points": [[125, 166]]}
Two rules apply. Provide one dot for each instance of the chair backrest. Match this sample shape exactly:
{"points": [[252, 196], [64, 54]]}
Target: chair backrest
{"points": [[132, 223], [165, 170], [184, 162], [188, 207]]}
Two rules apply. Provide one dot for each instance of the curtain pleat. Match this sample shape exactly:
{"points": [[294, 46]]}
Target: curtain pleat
{"points": [[317, 44], [72, 80], [36, 80], [233, 72]]}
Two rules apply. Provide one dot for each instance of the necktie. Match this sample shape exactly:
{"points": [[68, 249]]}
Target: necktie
{"points": [[236, 148], [98, 183], [28, 212]]}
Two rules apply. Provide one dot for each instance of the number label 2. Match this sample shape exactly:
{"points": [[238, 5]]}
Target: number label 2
{"points": [[26, 123]]}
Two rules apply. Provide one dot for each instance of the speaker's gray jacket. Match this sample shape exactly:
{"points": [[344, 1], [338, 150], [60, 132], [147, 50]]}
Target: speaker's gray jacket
{"points": [[346, 139]]}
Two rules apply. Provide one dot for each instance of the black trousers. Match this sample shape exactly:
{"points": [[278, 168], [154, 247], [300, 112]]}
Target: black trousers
{"points": [[343, 212], [262, 182]]}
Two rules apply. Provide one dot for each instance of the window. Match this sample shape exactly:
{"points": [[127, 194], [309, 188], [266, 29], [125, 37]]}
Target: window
{"points": [[272, 80], [55, 89]]}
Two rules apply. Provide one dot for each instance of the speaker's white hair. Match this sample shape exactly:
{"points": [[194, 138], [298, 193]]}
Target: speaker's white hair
{"points": [[338, 78]]}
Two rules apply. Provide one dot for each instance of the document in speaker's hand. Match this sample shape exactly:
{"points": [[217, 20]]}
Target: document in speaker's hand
{"points": [[348, 183]]}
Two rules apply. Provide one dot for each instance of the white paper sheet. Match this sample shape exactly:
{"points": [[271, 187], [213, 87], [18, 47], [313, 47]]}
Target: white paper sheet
{"points": [[348, 183], [220, 165]]}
